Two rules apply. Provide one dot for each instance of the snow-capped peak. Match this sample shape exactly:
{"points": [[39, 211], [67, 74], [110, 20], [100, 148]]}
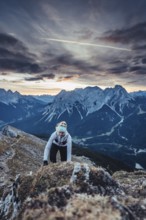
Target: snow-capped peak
{"points": [[8, 97], [89, 99], [117, 95]]}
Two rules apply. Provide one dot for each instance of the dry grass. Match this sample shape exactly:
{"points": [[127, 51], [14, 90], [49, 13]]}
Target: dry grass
{"points": [[3, 147], [20, 155]]}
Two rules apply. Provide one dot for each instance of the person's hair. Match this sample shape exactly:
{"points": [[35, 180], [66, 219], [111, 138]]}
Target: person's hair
{"points": [[63, 124]]}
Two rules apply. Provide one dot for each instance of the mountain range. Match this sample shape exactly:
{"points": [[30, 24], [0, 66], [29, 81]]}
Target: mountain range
{"points": [[16, 107], [110, 121]]}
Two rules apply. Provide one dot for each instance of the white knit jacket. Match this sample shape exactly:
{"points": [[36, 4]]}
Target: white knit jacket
{"points": [[51, 140]]}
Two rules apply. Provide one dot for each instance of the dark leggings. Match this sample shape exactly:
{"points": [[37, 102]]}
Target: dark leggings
{"points": [[53, 152]]}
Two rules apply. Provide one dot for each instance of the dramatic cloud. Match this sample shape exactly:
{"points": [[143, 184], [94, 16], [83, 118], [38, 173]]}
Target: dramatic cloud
{"points": [[19, 66], [69, 61], [144, 60], [139, 47], [134, 34], [4, 74], [95, 42], [48, 75], [11, 43], [15, 56], [118, 69], [138, 69], [65, 78], [33, 78], [40, 77]]}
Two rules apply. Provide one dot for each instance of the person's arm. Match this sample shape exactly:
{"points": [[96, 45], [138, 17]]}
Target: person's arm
{"points": [[47, 148], [69, 148]]}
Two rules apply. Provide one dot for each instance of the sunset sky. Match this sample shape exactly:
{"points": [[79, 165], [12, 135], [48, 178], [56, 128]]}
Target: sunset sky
{"points": [[50, 45]]}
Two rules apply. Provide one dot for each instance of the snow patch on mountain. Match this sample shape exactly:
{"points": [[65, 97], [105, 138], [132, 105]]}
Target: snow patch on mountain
{"points": [[140, 111], [138, 166], [141, 151]]}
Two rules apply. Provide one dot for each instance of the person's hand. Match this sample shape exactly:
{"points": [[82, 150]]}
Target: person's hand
{"points": [[45, 163]]}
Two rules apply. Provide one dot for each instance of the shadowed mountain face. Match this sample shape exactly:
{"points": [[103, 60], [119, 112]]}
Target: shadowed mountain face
{"points": [[75, 191], [16, 107]]}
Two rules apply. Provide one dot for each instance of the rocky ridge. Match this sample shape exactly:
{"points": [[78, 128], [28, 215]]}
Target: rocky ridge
{"points": [[20, 153], [73, 190]]}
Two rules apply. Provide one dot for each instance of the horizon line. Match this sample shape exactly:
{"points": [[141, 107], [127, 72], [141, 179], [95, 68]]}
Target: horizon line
{"points": [[21, 93]]}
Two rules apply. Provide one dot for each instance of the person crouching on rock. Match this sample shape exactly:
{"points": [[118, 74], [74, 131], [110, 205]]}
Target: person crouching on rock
{"points": [[61, 141]]}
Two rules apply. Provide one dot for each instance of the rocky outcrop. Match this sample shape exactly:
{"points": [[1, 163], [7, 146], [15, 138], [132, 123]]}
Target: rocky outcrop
{"points": [[72, 190]]}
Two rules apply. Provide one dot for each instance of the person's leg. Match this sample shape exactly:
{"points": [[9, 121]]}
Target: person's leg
{"points": [[53, 153], [63, 153]]}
